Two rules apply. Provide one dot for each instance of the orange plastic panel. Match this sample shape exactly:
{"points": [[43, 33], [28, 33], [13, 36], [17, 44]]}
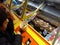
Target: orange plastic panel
{"points": [[26, 36]]}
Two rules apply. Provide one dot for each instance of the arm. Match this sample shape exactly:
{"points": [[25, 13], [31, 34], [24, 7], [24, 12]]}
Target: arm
{"points": [[17, 37], [3, 41], [18, 40]]}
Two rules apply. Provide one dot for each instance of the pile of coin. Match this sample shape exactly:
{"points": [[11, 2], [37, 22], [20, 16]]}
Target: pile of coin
{"points": [[43, 25]]}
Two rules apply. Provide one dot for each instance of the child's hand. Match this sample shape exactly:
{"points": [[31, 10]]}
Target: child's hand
{"points": [[17, 32]]}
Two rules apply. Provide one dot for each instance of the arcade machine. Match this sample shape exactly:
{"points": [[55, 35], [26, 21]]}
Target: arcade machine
{"points": [[38, 21]]}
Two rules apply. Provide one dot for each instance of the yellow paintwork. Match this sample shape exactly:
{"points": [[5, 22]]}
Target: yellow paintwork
{"points": [[22, 44], [24, 9], [35, 36], [17, 21]]}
